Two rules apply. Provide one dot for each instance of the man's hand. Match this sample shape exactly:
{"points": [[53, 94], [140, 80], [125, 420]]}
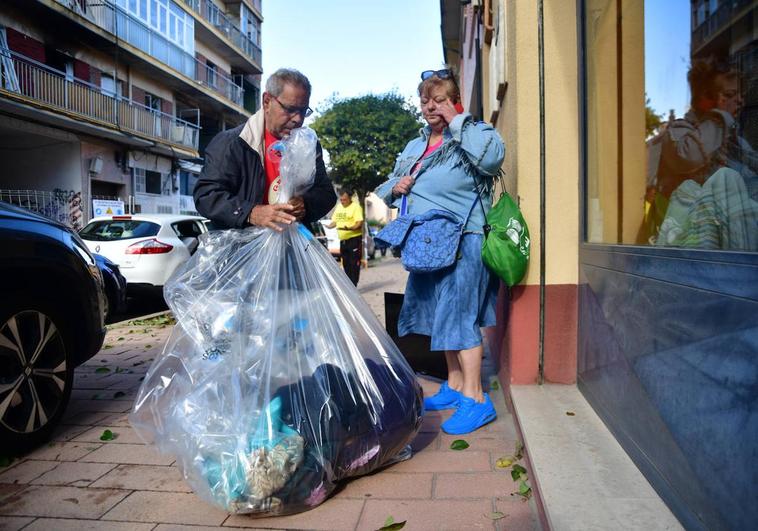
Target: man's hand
{"points": [[403, 186], [271, 215], [298, 207]]}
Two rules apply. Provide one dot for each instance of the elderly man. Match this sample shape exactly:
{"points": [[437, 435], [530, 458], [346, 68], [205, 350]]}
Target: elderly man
{"points": [[239, 184]]}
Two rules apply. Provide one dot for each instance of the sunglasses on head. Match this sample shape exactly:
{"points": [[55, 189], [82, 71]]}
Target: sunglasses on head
{"points": [[445, 73]]}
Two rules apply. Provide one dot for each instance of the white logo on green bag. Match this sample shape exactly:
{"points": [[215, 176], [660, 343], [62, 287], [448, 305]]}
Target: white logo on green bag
{"points": [[516, 233]]}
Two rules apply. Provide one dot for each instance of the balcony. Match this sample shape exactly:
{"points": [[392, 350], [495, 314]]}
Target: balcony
{"points": [[30, 81], [211, 13], [118, 22], [718, 20]]}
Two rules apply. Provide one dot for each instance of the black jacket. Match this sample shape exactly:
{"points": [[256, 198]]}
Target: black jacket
{"points": [[233, 182]]}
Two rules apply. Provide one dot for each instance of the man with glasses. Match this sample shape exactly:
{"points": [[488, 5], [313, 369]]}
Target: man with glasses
{"points": [[239, 184]]}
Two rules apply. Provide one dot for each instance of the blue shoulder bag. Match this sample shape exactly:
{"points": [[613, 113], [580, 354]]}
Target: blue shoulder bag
{"points": [[428, 242]]}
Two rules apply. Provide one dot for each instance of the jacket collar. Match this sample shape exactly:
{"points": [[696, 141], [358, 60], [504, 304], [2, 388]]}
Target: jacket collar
{"points": [[252, 133], [426, 131]]}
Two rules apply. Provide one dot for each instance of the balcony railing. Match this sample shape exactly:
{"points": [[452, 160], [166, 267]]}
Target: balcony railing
{"points": [[213, 14], [116, 21], [717, 20], [35, 81]]}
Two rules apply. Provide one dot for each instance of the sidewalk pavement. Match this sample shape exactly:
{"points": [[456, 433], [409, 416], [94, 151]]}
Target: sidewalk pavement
{"points": [[79, 482]]}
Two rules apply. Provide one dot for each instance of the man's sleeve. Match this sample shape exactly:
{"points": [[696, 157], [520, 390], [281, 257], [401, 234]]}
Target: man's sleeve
{"points": [[320, 199], [216, 192]]}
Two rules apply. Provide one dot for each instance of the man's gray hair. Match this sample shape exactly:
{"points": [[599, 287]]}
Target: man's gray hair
{"points": [[275, 83]]}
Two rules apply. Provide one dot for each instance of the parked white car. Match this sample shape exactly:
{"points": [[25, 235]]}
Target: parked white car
{"points": [[147, 247]]}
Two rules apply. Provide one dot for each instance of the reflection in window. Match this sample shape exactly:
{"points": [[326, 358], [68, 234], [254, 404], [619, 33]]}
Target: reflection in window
{"points": [[672, 92]]}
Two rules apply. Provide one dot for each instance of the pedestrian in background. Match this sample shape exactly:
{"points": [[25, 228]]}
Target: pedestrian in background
{"points": [[451, 166], [348, 218]]}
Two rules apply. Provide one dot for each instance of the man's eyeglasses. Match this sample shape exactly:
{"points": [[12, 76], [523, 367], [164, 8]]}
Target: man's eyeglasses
{"points": [[305, 112], [445, 73]]}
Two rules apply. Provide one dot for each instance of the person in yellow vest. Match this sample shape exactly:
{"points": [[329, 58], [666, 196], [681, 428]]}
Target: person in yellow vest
{"points": [[348, 218]]}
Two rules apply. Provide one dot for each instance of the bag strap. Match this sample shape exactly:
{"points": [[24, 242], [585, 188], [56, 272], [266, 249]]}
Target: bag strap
{"points": [[486, 227]]}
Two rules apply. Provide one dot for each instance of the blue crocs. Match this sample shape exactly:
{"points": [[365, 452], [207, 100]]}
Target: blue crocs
{"points": [[470, 416], [445, 398]]}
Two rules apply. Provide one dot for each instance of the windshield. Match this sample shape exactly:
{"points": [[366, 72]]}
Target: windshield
{"points": [[112, 230]]}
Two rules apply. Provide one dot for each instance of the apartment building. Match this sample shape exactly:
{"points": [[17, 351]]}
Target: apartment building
{"points": [[117, 99]]}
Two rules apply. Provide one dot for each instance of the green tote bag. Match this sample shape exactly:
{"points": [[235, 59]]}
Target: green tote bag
{"points": [[506, 244]]}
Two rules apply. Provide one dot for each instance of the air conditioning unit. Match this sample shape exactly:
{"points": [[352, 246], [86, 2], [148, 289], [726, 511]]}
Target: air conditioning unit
{"points": [[95, 165]]}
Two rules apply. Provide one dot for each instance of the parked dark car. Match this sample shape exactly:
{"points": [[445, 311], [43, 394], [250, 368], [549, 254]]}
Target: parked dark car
{"points": [[51, 321], [115, 286]]}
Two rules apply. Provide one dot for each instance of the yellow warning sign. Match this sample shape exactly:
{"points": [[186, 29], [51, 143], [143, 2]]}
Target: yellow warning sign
{"points": [[109, 211]]}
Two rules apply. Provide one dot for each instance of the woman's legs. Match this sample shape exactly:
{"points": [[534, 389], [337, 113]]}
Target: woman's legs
{"points": [[464, 369]]}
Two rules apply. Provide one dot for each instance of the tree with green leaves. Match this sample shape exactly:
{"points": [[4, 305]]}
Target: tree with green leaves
{"points": [[364, 136]]}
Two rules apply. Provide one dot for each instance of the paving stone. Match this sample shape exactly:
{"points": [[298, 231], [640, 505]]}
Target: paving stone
{"points": [[465, 461], [84, 418], [26, 471], [58, 524], [144, 477], [63, 451], [73, 474], [387, 485], [476, 485], [185, 527], [135, 454], [8, 489], [521, 514], [61, 502], [425, 440], [13, 523], [166, 507], [332, 515], [108, 406], [66, 432], [432, 515], [122, 435], [117, 419]]}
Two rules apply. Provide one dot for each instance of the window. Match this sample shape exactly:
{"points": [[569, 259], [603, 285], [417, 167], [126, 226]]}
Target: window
{"points": [[212, 73], [106, 231], [670, 157], [187, 229], [187, 181], [152, 102]]}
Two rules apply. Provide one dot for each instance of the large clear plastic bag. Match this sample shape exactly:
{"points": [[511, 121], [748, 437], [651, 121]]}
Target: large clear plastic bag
{"points": [[278, 381]]}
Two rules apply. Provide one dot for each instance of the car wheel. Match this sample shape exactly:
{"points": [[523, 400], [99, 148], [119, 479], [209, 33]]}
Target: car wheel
{"points": [[36, 375]]}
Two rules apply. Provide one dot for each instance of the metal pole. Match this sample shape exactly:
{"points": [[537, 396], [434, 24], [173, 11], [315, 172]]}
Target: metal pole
{"points": [[541, 59]]}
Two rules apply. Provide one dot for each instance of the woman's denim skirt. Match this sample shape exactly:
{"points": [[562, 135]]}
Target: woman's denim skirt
{"points": [[451, 305]]}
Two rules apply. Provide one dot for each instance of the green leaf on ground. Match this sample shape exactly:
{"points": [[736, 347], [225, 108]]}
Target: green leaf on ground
{"points": [[459, 444], [391, 525], [570, 413], [148, 345], [107, 346], [101, 370], [524, 490], [497, 515], [119, 394], [495, 386], [517, 471], [504, 462], [107, 436], [519, 450], [5, 461], [119, 369]]}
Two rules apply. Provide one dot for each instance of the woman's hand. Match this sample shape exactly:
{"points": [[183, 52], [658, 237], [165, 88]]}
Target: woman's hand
{"points": [[403, 186], [446, 110]]}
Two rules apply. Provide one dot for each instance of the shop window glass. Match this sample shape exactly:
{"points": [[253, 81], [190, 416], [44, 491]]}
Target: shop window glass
{"points": [[672, 109]]}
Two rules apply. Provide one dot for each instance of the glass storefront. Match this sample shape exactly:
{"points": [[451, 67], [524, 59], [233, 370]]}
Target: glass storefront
{"points": [[672, 121], [668, 296]]}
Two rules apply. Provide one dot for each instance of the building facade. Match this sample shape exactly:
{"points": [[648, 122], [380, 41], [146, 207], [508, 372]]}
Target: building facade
{"points": [[117, 99], [628, 127]]}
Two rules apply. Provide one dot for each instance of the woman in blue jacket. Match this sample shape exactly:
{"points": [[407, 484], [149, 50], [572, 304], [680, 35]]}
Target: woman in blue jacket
{"points": [[453, 161]]}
